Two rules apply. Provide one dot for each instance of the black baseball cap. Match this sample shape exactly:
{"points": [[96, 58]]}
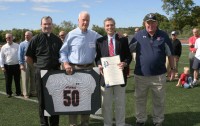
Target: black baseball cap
{"points": [[150, 17]]}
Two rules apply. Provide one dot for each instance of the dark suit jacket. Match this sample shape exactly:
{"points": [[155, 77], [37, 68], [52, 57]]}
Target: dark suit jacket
{"points": [[121, 49]]}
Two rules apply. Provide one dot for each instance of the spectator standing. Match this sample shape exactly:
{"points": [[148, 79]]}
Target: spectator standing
{"points": [[78, 52], [192, 50], [177, 49], [27, 70], [62, 35], [43, 50], [152, 45], [114, 93], [128, 67], [10, 65], [134, 54], [137, 30], [196, 63]]}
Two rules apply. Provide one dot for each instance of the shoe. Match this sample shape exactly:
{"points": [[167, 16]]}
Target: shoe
{"points": [[157, 124], [140, 124], [194, 82], [191, 85]]}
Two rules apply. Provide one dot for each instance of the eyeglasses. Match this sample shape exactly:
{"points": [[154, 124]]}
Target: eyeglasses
{"points": [[61, 35], [8, 37]]}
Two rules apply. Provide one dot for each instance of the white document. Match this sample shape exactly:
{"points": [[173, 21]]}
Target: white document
{"points": [[113, 75]]}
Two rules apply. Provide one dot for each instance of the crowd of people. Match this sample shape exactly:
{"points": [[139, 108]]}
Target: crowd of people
{"points": [[189, 76], [82, 49]]}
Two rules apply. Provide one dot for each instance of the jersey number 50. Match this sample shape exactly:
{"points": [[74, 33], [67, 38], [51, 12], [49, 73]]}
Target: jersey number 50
{"points": [[71, 97]]}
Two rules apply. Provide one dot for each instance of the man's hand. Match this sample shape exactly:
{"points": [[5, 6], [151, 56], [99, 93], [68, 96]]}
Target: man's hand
{"points": [[68, 68], [29, 60], [3, 69], [122, 65], [191, 45], [22, 67], [100, 69]]}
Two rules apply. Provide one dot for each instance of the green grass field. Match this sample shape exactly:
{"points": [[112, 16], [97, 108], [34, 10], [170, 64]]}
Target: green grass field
{"points": [[182, 105]]}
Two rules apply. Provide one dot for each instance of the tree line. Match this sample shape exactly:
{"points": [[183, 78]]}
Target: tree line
{"points": [[183, 17]]}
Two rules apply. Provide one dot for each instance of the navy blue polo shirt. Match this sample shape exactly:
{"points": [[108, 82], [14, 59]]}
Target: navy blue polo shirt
{"points": [[150, 52]]}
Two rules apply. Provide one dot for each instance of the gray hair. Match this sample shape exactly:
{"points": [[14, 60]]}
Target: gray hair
{"points": [[83, 12]]}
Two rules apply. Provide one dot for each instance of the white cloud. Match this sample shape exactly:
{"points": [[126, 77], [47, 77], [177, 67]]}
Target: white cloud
{"points": [[12, 0], [3, 8], [51, 1], [44, 9], [85, 6]]}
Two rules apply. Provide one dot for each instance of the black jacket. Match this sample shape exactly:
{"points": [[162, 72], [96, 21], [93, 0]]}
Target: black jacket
{"points": [[121, 49]]}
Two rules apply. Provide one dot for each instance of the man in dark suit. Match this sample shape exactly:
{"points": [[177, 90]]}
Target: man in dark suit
{"points": [[107, 46]]}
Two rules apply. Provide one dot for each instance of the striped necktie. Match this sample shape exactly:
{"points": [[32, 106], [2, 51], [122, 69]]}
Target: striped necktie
{"points": [[111, 48]]}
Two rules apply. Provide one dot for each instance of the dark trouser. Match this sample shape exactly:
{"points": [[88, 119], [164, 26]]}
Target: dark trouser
{"points": [[191, 60], [12, 70], [44, 120]]}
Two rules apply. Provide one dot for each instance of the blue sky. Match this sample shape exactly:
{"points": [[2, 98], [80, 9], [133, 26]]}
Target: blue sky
{"points": [[27, 13]]}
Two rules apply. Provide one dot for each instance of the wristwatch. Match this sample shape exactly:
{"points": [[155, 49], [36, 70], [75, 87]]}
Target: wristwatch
{"points": [[172, 68]]}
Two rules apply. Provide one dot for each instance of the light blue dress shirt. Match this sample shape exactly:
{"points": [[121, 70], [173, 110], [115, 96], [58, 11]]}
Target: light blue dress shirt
{"points": [[22, 50], [79, 47]]}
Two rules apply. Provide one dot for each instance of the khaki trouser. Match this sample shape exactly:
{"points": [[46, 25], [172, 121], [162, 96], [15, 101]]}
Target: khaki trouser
{"points": [[114, 94], [28, 80], [156, 84], [84, 117]]}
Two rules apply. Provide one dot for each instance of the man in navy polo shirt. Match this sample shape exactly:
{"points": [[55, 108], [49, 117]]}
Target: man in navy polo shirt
{"points": [[152, 45]]}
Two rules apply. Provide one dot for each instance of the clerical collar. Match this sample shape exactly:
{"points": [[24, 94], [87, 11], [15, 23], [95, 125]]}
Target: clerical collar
{"points": [[47, 34]]}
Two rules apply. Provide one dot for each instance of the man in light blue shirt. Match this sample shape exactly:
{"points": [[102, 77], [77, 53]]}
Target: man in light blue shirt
{"points": [[78, 52], [27, 70]]}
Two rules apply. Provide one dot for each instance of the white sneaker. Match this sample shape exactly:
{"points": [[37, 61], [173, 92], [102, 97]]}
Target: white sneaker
{"points": [[194, 82]]}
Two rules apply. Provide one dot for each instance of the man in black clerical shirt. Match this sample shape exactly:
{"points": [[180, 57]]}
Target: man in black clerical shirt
{"points": [[43, 51]]}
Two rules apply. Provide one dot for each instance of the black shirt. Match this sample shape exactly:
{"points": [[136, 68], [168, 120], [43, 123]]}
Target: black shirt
{"points": [[177, 47], [44, 50]]}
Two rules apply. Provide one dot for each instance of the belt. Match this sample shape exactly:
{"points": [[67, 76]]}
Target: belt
{"points": [[81, 65]]}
